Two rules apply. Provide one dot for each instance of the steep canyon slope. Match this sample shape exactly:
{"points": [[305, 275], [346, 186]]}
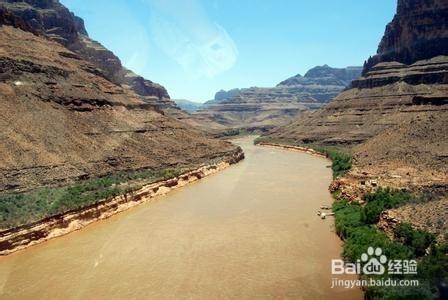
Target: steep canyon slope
{"points": [[65, 118]]}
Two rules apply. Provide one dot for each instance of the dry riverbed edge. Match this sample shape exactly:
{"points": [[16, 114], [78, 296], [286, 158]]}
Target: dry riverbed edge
{"points": [[25, 236]]}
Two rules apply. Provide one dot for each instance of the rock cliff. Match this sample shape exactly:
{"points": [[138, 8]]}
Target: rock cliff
{"points": [[187, 105], [418, 31], [53, 20], [324, 76]]}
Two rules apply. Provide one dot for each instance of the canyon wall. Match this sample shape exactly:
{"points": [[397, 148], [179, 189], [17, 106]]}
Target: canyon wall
{"points": [[66, 118]]}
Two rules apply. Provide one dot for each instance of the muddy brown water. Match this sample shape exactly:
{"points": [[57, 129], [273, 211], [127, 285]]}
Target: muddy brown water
{"points": [[250, 231]]}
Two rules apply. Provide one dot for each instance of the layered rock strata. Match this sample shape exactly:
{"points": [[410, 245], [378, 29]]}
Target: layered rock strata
{"points": [[261, 109]]}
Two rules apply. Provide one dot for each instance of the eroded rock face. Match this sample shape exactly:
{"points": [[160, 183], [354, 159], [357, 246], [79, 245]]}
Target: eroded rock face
{"points": [[222, 95], [419, 31], [261, 109], [63, 120], [428, 216], [53, 20]]}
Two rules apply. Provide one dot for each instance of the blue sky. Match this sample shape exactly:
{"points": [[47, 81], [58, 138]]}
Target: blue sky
{"points": [[197, 47]]}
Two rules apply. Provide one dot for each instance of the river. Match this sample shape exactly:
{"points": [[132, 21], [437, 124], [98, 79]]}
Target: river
{"points": [[250, 231]]}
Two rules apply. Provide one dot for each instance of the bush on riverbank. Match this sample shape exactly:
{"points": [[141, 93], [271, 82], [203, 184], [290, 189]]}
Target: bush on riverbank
{"points": [[342, 162], [416, 239], [382, 200], [341, 159], [23, 208], [359, 235], [356, 226]]}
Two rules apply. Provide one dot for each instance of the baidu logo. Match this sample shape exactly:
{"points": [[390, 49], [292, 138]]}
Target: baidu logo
{"points": [[374, 262]]}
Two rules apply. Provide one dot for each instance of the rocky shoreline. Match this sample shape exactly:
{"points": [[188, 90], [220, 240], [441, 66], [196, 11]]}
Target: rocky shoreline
{"points": [[25, 236]]}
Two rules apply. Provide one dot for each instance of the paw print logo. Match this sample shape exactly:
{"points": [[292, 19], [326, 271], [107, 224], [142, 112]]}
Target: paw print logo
{"points": [[374, 261]]}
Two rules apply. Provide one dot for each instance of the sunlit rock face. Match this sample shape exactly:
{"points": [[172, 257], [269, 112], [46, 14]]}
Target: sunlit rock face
{"points": [[53, 20], [259, 108], [419, 30]]}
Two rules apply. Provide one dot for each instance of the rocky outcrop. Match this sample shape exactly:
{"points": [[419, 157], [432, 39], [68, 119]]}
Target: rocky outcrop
{"points": [[407, 79], [418, 31], [9, 19], [429, 216], [222, 95], [54, 21], [260, 109]]}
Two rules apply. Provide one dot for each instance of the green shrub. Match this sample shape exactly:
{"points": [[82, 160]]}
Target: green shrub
{"points": [[382, 200], [170, 173], [347, 217], [418, 240], [421, 292], [355, 224], [434, 267], [359, 239], [342, 162]]}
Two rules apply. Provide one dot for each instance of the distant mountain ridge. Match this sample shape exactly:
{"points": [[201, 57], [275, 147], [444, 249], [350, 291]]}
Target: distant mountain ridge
{"points": [[324, 75], [259, 108], [222, 95]]}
